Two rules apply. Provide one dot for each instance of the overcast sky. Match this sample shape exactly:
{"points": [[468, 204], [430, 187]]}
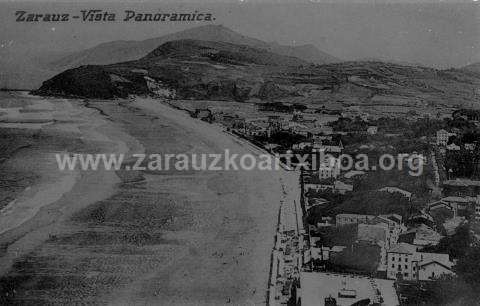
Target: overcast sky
{"points": [[433, 33]]}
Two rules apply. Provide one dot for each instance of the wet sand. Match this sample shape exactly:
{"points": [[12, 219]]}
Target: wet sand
{"points": [[167, 237]]}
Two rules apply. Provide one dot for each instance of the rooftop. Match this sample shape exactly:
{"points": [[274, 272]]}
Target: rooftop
{"points": [[461, 182], [403, 248], [355, 216], [455, 199]]}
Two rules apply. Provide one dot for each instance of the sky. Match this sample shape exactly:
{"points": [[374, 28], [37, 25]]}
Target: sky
{"points": [[440, 34]]}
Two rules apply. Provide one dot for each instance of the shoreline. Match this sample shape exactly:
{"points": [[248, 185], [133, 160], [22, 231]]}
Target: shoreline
{"points": [[249, 219], [290, 198]]}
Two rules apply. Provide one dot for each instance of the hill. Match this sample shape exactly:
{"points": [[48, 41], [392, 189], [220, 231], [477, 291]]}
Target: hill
{"points": [[183, 68], [120, 51], [195, 69]]}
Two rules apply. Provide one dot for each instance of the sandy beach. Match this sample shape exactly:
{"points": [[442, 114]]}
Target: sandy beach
{"points": [[129, 238]]}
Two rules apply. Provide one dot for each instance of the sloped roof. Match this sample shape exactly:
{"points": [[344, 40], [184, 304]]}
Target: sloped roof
{"points": [[429, 262], [404, 248], [423, 231]]}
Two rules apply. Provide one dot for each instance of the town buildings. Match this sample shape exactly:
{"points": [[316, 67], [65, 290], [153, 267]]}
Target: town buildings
{"points": [[404, 261], [420, 235], [443, 136], [372, 130], [344, 219]]}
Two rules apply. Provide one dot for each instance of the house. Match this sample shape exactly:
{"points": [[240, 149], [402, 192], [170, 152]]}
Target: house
{"points": [[342, 187], [442, 137], [420, 218], [461, 187], [324, 130], [477, 209], [332, 146], [405, 193], [453, 147], [405, 262], [343, 219], [275, 124], [372, 130], [420, 235], [432, 269], [238, 125], [453, 203], [329, 168], [257, 128], [298, 128], [469, 146], [325, 222], [399, 261]]}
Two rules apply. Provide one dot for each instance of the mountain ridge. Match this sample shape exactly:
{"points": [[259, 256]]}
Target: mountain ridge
{"points": [[126, 50], [209, 70]]}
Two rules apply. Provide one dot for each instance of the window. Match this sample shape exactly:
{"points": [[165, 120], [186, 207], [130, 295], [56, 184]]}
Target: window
{"points": [[406, 274], [393, 265], [406, 259], [413, 268], [406, 267], [399, 267]]}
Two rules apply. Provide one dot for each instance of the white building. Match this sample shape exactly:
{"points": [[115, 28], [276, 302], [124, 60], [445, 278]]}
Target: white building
{"points": [[477, 208], [404, 261], [329, 168], [431, 269], [372, 130], [442, 137], [453, 147]]}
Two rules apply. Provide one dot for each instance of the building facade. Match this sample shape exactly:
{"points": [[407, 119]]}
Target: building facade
{"points": [[405, 262]]}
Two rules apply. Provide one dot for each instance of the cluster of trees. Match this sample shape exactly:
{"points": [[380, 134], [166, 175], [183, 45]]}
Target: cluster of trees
{"points": [[349, 125], [281, 107], [463, 163], [456, 245], [360, 258], [338, 235], [375, 203]]}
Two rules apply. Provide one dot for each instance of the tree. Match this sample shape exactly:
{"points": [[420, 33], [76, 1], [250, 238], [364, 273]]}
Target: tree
{"points": [[468, 266], [360, 257], [456, 245]]}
